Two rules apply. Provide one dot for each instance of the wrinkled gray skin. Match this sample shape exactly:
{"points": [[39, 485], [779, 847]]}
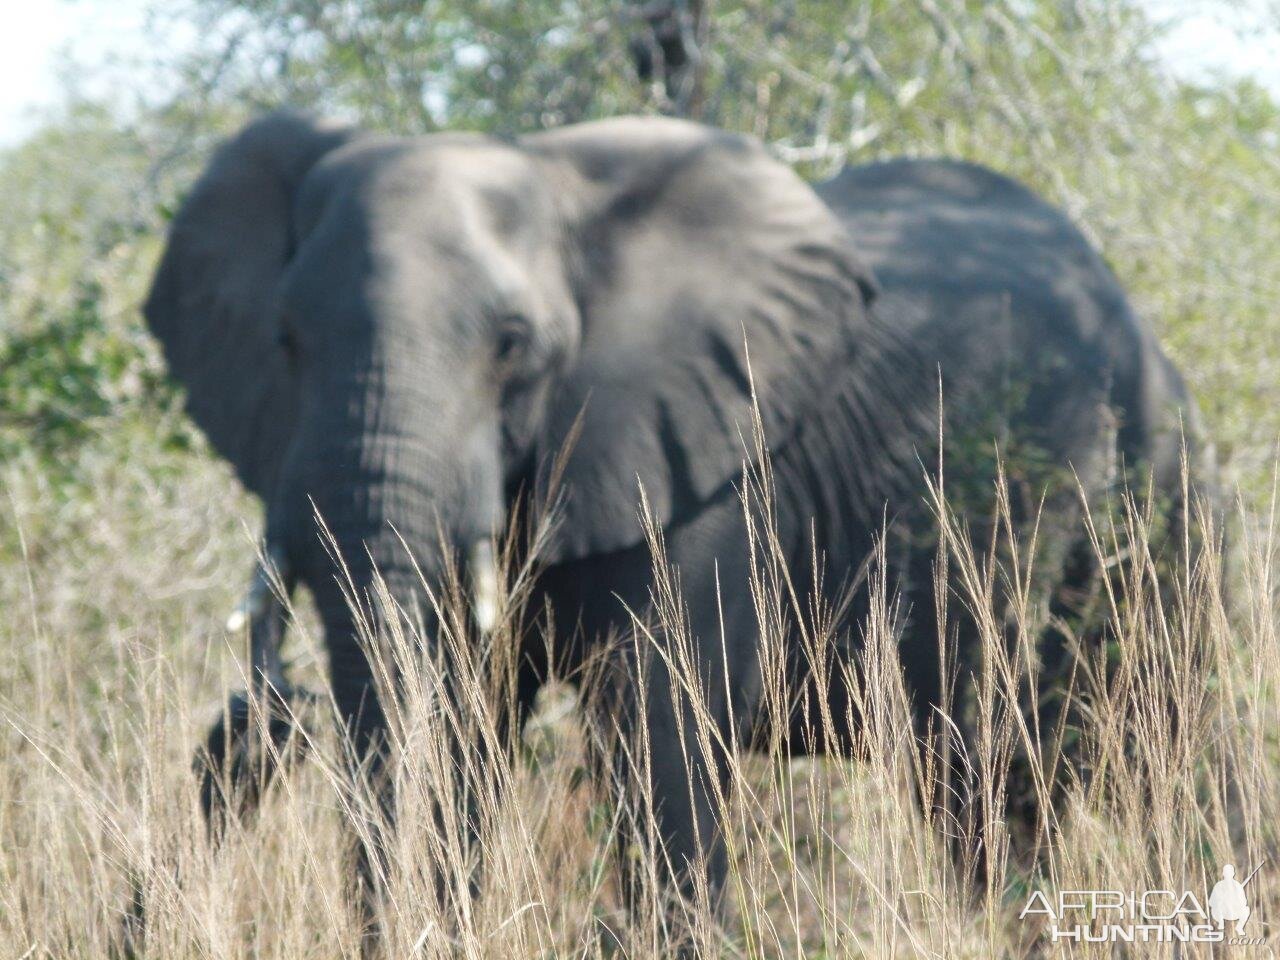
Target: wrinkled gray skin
{"points": [[405, 332]]}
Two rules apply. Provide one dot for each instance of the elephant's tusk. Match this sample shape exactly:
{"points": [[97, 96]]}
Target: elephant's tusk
{"points": [[254, 605], [263, 613], [482, 568]]}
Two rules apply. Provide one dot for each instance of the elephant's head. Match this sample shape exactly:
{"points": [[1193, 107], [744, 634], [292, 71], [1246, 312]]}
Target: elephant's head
{"points": [[403, 330]]}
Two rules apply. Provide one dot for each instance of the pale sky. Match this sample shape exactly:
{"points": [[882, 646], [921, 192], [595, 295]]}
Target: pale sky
{"points": [[106, 35], [40, 36]]}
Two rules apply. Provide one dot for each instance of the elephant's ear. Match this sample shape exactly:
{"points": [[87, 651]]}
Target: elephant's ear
{"points": [[692, 251], [212, 303]]}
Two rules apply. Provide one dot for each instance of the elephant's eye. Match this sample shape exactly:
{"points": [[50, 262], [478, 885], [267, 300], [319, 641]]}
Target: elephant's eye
{"points": [[514, 345]]}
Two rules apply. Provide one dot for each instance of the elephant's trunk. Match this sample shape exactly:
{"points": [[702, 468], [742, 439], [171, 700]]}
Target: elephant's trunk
{"points": [[382, 511]]}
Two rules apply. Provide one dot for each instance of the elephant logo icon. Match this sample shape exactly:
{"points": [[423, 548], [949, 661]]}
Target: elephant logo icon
{"points": [[1227, 900]]}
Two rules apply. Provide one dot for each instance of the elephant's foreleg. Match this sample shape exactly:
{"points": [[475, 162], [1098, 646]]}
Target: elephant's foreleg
{"points": [[258, 729], [244, 751], [670, 773]]}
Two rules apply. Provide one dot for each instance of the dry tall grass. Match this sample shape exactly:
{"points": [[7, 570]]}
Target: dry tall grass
{"points": [[116, 665]]}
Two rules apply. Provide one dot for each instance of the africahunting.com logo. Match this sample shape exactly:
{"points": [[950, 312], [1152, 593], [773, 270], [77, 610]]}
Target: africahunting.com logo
{"points": [[1150, 916]]}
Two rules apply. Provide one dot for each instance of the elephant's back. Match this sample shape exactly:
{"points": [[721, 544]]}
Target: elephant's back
{"points": [[950, 234], [983, 274]]}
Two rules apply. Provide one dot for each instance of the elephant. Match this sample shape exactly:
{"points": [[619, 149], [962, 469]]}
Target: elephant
{"points": [[407, 335]]}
